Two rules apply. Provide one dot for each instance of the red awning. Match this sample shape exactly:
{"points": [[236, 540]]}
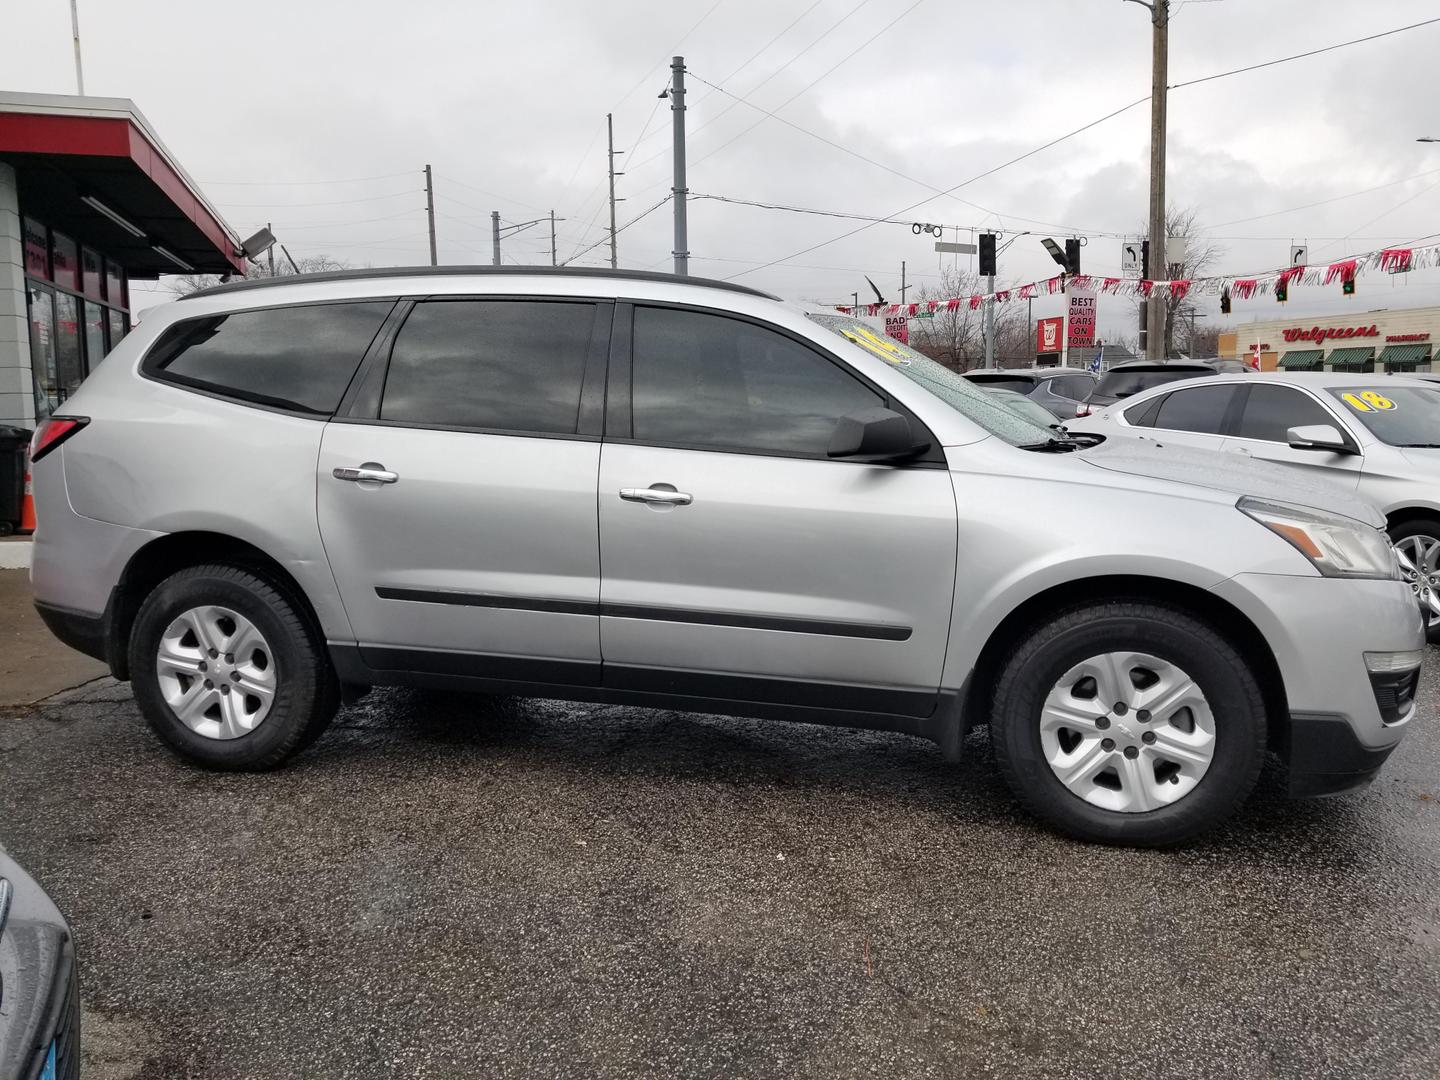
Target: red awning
{"points": [[64, 149]]}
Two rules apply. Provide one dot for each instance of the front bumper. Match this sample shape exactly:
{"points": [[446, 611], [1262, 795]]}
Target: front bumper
{"points": [[1335, 736]]}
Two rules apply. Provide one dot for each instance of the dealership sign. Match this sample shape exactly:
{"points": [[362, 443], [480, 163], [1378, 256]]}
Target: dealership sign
{"points": [[1326, 333], [1082, 317], [898, 327]]}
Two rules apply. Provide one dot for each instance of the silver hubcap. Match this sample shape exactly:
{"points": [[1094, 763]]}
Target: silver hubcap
{"points": [[1418, 556], [217, 672], [1129, 732]]}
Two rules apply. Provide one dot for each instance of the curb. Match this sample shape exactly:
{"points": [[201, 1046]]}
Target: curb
{"points": [[15, 554]]}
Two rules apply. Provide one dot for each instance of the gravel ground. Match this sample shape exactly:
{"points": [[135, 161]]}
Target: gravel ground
{"points": [[447, 887]]}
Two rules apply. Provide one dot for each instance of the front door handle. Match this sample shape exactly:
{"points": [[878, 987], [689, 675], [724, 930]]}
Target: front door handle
{"points": [[655, 495], [373, 473]]}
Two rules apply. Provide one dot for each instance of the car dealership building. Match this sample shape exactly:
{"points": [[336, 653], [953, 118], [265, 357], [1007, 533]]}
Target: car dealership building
{"points": [[90, 199], [1396, 340]]}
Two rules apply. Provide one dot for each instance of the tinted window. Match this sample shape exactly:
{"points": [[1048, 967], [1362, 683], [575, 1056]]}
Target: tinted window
{"points": [[1201, 409], [1019, 383], [1122, 382], [1271, 411], [705, 380], [1143, 415], [292, 357], [506, 365], [1074, 387]]}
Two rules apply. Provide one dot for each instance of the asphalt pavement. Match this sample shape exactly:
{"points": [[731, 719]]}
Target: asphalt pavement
{"points": [[450, 887]]}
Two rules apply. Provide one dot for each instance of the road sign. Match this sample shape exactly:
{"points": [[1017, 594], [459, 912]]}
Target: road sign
{"points": [[1299, 253], [1131, 258], [923, 315], [947, 248]]}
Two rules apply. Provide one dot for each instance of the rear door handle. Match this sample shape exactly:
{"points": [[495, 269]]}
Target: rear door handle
{"points": [[372, 473], [655, 495]]}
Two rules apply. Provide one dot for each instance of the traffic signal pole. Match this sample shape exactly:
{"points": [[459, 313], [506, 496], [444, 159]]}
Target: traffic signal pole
{"points": [[1153, 328]]}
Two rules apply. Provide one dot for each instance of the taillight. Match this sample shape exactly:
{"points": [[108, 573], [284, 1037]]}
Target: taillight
{"points": [[53, 432]]}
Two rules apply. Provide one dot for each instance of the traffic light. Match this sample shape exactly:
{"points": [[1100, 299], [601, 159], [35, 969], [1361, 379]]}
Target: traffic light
{"points": [[1072, 255], [1225, 302], [1347, 285], [1145, 259], [1282, 290], [987, 254]]}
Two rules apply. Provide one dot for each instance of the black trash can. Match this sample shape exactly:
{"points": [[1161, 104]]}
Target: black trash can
{"points": [[13, 442]]}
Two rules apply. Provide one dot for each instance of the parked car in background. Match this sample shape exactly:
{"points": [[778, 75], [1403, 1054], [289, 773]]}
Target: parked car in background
{"points": [[1128, 379], [636, 488], [1021, 405], [1059, 390], [39, 1002], [1377, 435], [1231, 367]]}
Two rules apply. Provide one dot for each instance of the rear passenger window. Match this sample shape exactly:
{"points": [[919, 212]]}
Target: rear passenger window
{"points": [[1201, 409], [497, 365], [1271, 411], [705, 380], [1143, 415], [1073, 387], [289, 357]]}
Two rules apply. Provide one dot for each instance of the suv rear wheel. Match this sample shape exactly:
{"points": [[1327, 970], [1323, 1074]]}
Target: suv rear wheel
{"points": [[1129, 723], [228, 672]]}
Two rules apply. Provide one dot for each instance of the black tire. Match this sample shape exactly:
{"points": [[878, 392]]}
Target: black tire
{"points": [[1430, 529], [1168, 633], [307, 694]]}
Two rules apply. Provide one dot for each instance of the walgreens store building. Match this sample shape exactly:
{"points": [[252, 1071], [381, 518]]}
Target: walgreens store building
{"points": [[1385, 340]]}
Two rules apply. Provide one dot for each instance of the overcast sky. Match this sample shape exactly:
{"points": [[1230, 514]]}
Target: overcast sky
{"points": [[280, 109]]}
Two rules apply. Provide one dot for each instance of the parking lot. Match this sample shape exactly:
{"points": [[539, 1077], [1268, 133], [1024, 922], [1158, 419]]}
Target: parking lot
{"points": [[456, 887]]}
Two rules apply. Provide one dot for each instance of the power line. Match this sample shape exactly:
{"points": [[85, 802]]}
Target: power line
{"points": [[1303, 55], [957, 187], [1323, 202], [332, 202], [299, 183], [622, 228], [673, 50], [491, 194]]}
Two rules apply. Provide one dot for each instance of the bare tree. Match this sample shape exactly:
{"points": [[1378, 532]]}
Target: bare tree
{"points": [[956, 338], [1200, 255], [311, 264]]}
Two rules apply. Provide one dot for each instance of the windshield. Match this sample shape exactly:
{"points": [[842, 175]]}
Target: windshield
{"points": [[1019, 403], [957, 392], [1124, 382], [1398, 415]]}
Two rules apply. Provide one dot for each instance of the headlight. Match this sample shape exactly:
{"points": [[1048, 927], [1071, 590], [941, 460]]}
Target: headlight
{"points": [[1336, 546]]}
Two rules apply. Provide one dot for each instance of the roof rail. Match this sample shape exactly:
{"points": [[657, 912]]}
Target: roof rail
{"points": [[467, 271]]}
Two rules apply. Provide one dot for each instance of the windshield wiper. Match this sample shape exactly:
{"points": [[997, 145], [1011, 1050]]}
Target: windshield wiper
{"points": [[1053, 446]]}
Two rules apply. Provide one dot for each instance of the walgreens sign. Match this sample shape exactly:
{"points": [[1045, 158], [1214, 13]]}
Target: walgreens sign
{"points": [[1328, 333]]}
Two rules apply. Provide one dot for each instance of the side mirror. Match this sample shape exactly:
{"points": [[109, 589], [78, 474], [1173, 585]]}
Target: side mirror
{"points": [[1324, 437], [875, 435]]}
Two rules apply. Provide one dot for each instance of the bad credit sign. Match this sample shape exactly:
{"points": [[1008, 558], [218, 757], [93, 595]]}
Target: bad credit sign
{"points": [[1082, 318], [898, 327]]}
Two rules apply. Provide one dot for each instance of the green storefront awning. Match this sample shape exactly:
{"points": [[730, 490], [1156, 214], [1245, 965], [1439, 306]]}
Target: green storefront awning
{"points": [[1355, 358], [1405, 355], [1302, 359]]}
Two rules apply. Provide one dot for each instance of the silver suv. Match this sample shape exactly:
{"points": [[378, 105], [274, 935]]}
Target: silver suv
{"points": [[627, 487]]}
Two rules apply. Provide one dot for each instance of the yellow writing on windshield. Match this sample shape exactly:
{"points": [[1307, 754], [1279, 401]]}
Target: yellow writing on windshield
{"points": [[1368, 401], [888, 349]]}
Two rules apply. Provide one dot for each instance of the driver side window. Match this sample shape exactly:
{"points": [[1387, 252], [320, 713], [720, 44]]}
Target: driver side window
{"points": [[709, 381]]}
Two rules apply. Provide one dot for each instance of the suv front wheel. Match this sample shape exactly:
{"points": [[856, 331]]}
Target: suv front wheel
{"points": [[228, 672], [1129, 723]]}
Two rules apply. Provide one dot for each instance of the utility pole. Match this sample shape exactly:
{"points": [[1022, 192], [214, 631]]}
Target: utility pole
{"points": [[610, 158], [75, 33], [271, 229], [1159, 74], [990, 321], [903, 286], [430, 212], [554, 258], [679, 191], [495, 235]]}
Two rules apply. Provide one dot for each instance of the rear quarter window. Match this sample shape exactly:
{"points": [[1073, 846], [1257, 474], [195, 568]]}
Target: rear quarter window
{"points": [[299, 358]]}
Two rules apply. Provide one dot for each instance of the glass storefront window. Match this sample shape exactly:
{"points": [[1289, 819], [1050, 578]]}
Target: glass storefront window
{"points": [[69, 367], [37, 249], [63, 261], [42, 350], [113, 289], [96, 327], [117, 327], [92, 281]]}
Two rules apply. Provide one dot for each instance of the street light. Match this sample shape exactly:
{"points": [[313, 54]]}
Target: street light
{"points": [[1056, 252], [1427, 138]]}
